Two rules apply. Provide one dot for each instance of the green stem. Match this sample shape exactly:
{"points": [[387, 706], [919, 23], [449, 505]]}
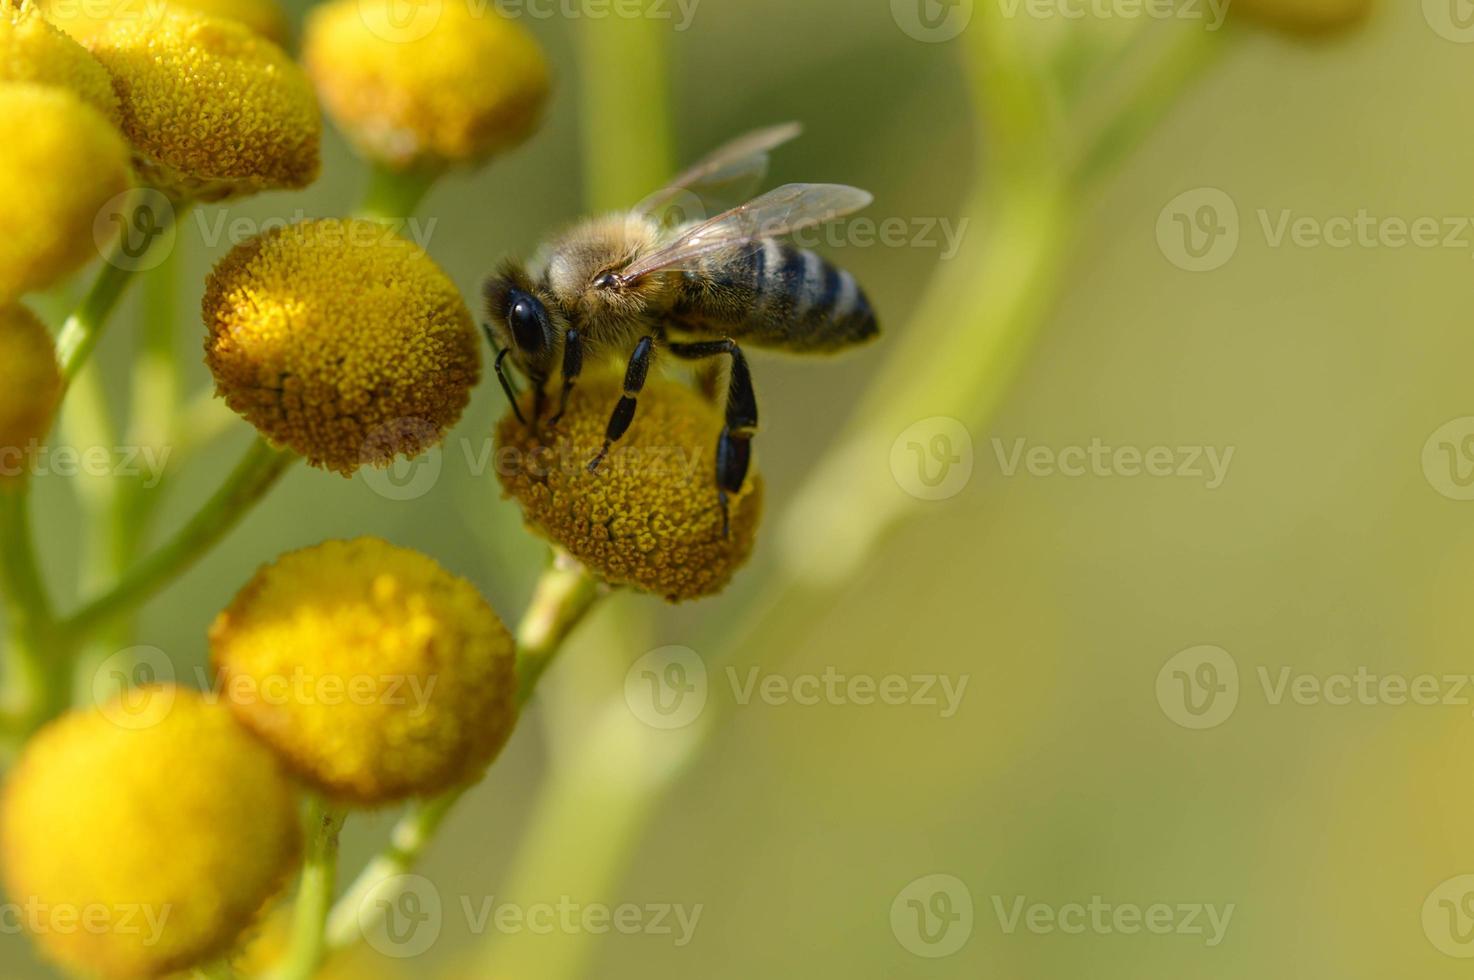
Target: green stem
{"points": [[308, 944], [624, 62], [252, 477], [35, 678], [564, 596], [394, 195]]}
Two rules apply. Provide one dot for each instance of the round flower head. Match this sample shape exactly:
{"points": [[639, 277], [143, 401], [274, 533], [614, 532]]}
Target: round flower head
{"points": [[163, 838], [61, 163], [376, 673], [649, 515], [29, 381], [213, 110], [32, 50], [340, 340], [86, 21], [453, 85], [1305, 17]]}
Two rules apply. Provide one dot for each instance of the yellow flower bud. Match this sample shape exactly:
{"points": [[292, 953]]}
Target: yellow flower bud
{"points": [[32, 50], [61, 162], [342, 341], [86, 20], [453, 85], [394, 677], [168, 837], [29, 382], [648, 516], [1305, 17], [213, 110]]}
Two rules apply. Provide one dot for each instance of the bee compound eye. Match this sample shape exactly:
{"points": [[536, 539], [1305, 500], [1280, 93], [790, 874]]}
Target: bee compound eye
{"points": [[525, 319]]}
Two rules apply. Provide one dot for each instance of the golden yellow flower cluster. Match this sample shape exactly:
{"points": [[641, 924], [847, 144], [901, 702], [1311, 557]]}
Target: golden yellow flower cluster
{"points": [[32, 50], [648, 516], [401, 676], [86, 20], [452, 85], [144, 849], [341, 341], [29, 381], [213, 110], [61, 162]]}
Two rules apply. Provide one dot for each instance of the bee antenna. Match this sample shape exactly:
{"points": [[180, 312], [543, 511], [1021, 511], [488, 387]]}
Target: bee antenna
{"points": [[507, 388]]}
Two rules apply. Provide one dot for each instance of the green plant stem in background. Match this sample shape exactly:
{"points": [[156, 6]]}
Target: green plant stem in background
{"points": [[314, 893], [564, 596], [253, 476], [623, 62], [35, 675], [394, 195]]}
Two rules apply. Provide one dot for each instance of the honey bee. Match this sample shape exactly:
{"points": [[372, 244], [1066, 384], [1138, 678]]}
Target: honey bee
{"points": [[635, 286]]}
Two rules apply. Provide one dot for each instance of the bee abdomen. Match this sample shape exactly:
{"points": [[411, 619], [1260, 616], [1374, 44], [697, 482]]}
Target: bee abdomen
{"points": [[822, 306]]}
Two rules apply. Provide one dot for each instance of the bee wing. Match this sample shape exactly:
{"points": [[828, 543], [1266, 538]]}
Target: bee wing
{"points": [[736, 168], [790, 208]]}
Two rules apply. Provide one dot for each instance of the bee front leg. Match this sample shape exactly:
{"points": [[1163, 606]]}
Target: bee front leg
{"points": [[572, 368], [734, 445], [624, 412]]}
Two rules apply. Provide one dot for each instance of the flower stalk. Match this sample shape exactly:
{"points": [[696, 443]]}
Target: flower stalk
{"points": [[324, 823]]}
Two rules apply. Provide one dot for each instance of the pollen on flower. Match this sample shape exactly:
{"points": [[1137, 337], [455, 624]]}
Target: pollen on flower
{"points": [[29, 381], [399, 677], [341, 341], [455, 85], [61, 162], [648, 517], [1308, 18], [32, 50], [86, 21], [213, 110], [177, 814]]}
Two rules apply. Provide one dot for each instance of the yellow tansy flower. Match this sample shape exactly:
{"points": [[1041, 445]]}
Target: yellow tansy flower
{"points": [[452, 85], [376, 673], [32, 50], [29, 385], [340, 340], [163, 839], [648, 516], [86, 20], [1305, 17], [213, 110], [61, 162]]}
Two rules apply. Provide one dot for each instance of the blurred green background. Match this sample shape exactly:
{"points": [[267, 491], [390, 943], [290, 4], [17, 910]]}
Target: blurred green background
{"points": [[1061, 776]]}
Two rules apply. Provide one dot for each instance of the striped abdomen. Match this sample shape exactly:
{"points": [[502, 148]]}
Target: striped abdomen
{"points": [[778, 295]]}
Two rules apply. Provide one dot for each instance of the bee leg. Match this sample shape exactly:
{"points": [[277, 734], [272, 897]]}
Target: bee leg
{"points": [[572, 368], [734, 445], [624, 412]]}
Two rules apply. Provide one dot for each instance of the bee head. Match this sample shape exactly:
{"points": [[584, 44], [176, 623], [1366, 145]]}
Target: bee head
{"points": [[521, 325]]}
